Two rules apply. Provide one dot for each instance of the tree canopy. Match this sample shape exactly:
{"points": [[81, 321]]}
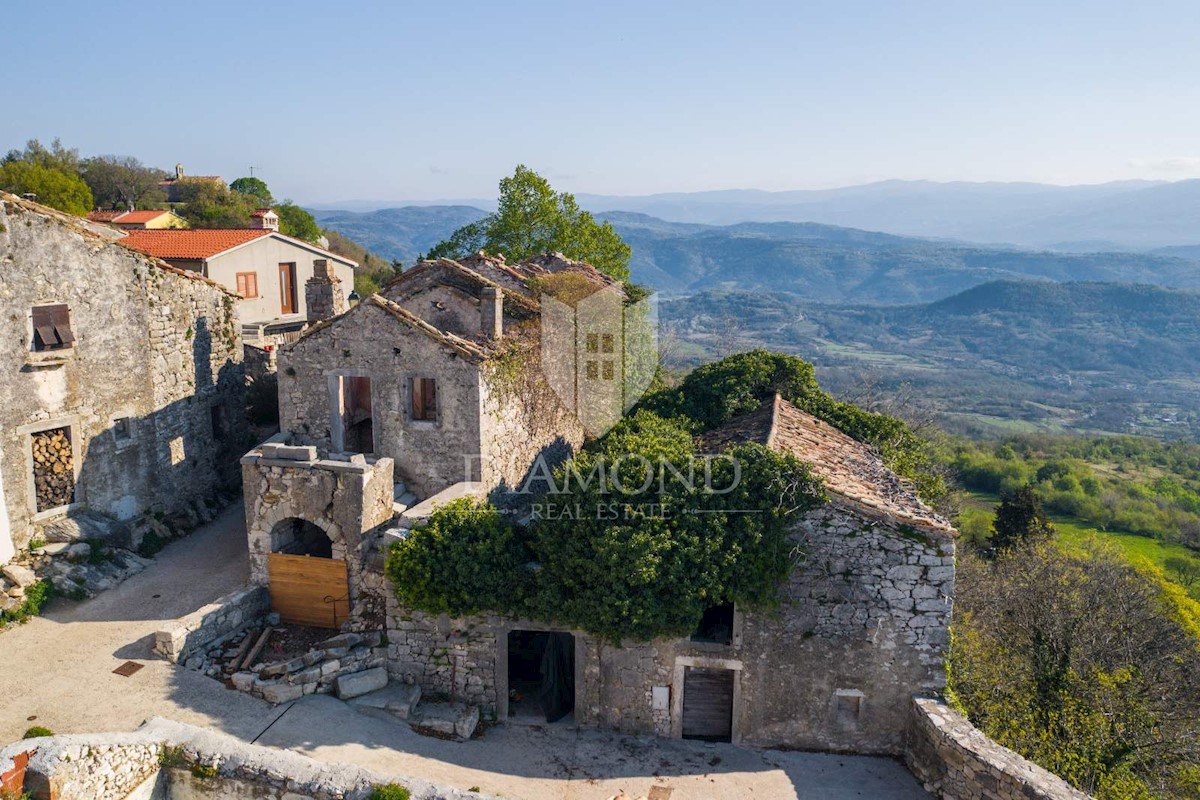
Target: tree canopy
{"points": [[254, 187], [295, 221], [531, 219], [123, 182], [52, 187], [1020, 519]]}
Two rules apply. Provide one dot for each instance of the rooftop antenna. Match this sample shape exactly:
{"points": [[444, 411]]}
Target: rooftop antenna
{"points": [[252, 172]]}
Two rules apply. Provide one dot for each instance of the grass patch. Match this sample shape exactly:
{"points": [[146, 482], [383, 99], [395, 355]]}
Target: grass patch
{"points": [[36, 596]]}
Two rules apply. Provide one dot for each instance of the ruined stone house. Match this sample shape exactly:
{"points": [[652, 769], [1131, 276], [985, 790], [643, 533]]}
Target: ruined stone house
{"points": [[123, 390], [864, 618]]}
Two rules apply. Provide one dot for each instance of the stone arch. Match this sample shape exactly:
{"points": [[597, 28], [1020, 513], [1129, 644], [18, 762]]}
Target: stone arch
{"points": [[270, 522], [296, 536]]}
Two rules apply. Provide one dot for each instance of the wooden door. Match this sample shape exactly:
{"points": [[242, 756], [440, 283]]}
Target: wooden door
{"points": [[308, 590], [287, 288], [708, 704]]}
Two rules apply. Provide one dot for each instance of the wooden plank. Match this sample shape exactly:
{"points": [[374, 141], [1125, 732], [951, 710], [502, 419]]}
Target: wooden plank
{"points": [[708, 704], [300, 585]]}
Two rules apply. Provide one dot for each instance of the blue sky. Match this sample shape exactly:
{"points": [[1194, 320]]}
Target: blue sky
{"points": [[391, 100]]}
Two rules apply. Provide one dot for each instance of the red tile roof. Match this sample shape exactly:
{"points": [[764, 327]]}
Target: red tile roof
{"points": [[105, 216], [189, 244], [140, 216]]}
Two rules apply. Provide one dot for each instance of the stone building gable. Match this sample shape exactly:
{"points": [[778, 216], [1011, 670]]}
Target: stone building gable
{"points": [[148, 395]]}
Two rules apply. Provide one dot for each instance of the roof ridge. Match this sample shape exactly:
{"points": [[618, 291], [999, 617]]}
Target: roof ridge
{"points": [[458, 343]]}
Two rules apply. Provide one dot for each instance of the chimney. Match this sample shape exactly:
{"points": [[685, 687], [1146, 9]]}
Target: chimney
{"points": [[264, 219], [323, 292], [491, 312]]}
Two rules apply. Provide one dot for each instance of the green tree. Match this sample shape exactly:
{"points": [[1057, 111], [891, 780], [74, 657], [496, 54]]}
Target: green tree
{"points": [[1020, 519], [213, 205], [1186, 570], [123, 182], [532, 219], [1080, 664], [296, 222], [55, 157], [64, 191], [253, 187]]}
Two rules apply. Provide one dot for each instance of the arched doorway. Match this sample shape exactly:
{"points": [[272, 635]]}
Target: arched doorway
{"points": [[307, 584], [299, 537]]}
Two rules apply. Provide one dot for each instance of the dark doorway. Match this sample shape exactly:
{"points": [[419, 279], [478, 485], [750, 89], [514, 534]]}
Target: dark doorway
{"points": [[708, 704], [541, 675], [358, 424], [716, 626], [300, 537]]}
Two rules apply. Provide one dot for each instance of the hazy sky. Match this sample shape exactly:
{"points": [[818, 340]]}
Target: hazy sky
{"points": [[393, 100]]}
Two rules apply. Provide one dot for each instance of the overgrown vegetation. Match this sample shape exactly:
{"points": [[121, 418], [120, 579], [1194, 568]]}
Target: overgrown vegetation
{"points": [[638, 534], [1081, 664], [390, 791], [37, 731], [36, 596]]}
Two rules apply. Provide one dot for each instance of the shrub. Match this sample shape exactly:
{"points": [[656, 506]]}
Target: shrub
{"points": [[37, 731], [36, 596], [391, 791]]}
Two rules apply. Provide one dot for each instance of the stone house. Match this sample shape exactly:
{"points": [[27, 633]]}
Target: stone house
{"points": [[265, 268], [124, 388], [863, 619], [863, 624]]}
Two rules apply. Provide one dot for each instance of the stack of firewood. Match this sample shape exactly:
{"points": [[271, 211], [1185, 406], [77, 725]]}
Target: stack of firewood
{"points": [[53, 469]]}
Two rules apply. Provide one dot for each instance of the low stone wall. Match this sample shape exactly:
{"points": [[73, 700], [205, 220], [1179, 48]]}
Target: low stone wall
{"points": [[206, 627], [956, 761], [166, 759], [315, 672]]}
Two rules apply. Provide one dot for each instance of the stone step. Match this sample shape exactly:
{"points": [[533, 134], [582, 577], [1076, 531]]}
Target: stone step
{"points": [[399, 490], [451, 719], [394, 701], [403, 503]]}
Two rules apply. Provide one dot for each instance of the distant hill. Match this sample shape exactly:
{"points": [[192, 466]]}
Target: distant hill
{"points": [[1006, 354], [402, 233], [821, 263], [1109, 216]]}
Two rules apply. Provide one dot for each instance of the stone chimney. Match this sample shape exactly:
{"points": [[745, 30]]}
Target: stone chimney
{"points": [[491, 312], [323, 292]]}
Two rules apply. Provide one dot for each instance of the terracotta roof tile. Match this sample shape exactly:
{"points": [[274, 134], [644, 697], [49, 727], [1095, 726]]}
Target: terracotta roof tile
{"points": [[852, 471], [189, 244], [105, 216], [139, 216]]}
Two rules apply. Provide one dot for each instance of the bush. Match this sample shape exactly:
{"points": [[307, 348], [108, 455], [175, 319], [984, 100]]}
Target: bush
{"points": [[36, 596], [37, 731], [391, 791]]}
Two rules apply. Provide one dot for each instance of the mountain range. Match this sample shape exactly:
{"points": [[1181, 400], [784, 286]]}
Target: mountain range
{"points": [[820, 263], [1140, 215]]}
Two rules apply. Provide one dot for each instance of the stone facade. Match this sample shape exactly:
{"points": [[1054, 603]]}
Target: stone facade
{"points": [[494, 412], [863, 624], [956, 761], [147, 398]]}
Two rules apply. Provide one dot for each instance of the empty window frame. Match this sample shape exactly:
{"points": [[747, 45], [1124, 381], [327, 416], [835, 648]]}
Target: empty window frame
{"points": [[52, 328], [122, 429], [424, 400]]}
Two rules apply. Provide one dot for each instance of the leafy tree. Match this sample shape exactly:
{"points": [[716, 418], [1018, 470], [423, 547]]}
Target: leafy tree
{"points": [[55, 157], [213, 205], [123, 182], [254, 187], [1020, 519], [1186, 570], [64, 191], [1081, 664], [532, 219], [296, 222]]}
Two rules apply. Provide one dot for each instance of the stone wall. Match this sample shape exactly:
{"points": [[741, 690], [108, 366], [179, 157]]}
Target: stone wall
{"points": [[150, 393], [368, 342], [956, 761], [165, 759], [863, 624], [209, 626]]}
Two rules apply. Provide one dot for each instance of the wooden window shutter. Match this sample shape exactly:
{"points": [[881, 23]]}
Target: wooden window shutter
{"points": [[429, 386], [62, 324], [241, 284], [424, 399], [252, 284], [52, 327]]}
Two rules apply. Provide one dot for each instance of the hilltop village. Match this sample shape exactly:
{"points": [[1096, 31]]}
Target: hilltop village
{"points": [[132, 342]]}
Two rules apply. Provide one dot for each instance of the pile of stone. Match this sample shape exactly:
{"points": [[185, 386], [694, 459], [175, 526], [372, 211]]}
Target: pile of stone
{"points": [[16, 579], [318, 671], [53, 469]]}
